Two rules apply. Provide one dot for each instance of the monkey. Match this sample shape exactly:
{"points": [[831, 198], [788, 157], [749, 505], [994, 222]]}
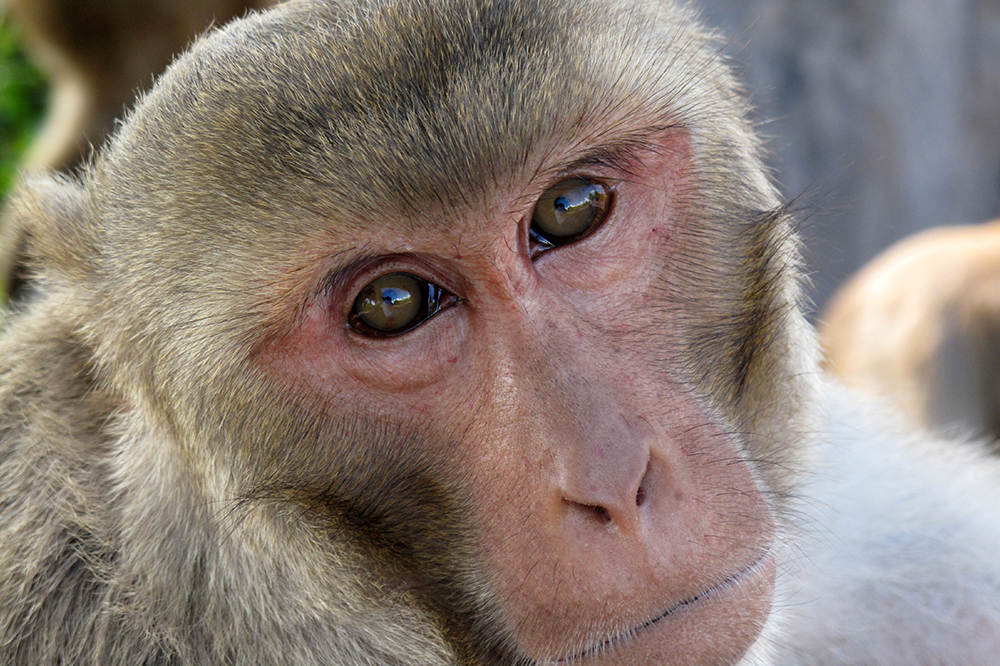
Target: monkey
{"points": [[920, 325], [456, 332], [97, 55]]}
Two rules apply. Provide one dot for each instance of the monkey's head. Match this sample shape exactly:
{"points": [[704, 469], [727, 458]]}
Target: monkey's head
{"points": [[481, 313]]}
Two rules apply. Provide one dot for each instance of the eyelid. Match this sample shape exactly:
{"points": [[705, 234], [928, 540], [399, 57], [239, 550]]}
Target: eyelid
{"points": [[612, 164], [343, 278], [347, 280]]}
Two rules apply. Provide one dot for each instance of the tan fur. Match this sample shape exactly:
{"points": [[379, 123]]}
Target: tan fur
{"points": [[200, 464], [920, 326]]}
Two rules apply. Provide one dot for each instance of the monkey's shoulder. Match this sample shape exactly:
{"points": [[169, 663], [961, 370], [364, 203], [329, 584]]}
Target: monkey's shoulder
{"points": [[899, 558]]}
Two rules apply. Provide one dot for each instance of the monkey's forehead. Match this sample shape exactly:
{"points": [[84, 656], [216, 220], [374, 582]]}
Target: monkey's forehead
{"points": [[407, 104]]}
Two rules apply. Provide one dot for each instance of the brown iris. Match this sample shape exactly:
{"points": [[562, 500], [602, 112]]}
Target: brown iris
{"points": [[394, 304], [568, 211]]}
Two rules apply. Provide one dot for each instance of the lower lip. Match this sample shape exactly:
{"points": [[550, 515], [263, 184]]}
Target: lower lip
{"points": [[760, 571]]}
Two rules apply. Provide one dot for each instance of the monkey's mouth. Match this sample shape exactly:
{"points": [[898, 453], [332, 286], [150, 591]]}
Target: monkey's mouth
{"points": [[755, 568]]}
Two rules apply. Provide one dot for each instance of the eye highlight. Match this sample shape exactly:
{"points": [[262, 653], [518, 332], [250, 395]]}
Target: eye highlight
{"points": [[568, 211], [396, 303]]}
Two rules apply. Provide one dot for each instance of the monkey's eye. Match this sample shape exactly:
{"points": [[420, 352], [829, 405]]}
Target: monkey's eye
{"points": [[568, 211], [394, 304]]}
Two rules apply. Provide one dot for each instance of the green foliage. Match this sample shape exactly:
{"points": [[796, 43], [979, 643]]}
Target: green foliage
{"points": [[22, 100]]}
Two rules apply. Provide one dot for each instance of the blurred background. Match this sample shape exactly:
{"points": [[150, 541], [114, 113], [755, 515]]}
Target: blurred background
{"points": [[22, 100], [882, 116]]}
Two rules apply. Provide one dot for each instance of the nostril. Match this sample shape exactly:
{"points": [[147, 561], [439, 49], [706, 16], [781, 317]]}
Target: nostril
{"points": [[599, 513], [644, 483], [611, 495]]}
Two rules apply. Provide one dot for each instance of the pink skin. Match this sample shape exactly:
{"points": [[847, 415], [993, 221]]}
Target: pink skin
{"points": [[615, 516]]}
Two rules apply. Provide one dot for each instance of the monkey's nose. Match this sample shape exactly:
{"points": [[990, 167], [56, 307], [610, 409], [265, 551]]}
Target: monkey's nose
{"points": [[609, 486]]}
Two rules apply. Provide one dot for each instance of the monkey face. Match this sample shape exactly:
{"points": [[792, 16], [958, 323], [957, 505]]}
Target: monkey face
{"points": [[481, 333], [609, 510]]}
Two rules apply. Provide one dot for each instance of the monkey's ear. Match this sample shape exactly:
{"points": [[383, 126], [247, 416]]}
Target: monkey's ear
{"points": [[44, 222]]}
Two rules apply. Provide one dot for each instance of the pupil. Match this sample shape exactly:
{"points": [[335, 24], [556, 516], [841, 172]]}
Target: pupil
{"points": [[392, 295], [391, 303], [397, 306], [566, 206]]}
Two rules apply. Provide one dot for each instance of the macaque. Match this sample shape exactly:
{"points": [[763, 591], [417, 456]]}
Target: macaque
{"points": [[920, 326], [456, 332]]}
